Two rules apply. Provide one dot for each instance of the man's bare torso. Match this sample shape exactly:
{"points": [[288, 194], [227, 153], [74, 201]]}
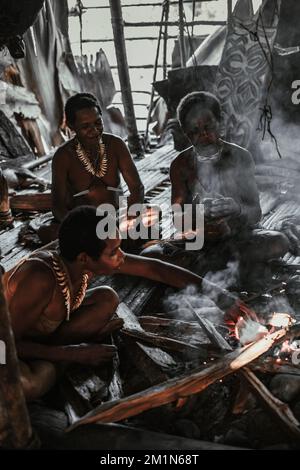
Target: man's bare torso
{"points": [[79, 179]]}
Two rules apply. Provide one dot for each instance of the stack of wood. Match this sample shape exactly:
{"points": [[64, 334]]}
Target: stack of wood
{"points": [[158, 348]]}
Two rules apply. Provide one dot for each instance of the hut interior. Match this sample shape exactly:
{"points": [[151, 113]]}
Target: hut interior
{"points": [[183, 378]]}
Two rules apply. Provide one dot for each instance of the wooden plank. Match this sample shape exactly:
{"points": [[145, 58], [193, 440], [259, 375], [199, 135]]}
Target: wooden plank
{"points": [[15, 427]]}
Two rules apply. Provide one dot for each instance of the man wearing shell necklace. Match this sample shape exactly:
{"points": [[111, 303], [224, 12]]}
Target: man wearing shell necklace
{"points": [[87, 168], [55, 317]]}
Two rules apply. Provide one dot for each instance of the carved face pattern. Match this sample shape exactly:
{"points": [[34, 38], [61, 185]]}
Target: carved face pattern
{"points": [[202, 128]]}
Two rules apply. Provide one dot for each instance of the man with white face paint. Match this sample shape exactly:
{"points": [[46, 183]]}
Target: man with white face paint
{"points": [[220, 175]]}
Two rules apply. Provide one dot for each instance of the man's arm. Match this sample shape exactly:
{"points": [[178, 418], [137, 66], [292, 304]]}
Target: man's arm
{"points": [[90, 354], [244, 206], [129, 173], [160, 271], [178, 185], [25, 311], [59, 184]]}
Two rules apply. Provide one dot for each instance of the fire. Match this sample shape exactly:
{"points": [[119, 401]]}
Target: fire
{"points": [[248, 331], [245, 326], [149, 217]]}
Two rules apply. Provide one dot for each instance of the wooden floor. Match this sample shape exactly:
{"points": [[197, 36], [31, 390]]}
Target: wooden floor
{"points": [[135, 292]]}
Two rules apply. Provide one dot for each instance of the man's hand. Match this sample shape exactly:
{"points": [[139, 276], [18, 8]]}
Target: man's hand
{"points": [[91, 354], [224, 207]]}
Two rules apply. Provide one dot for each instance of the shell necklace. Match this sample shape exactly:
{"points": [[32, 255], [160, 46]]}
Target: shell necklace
{"points": [[99, 168], [64, 282]]}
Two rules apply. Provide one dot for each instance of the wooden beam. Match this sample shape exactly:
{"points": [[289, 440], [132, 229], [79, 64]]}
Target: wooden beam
{"points": [[129, 24], [15, 427], [181, 33], [141, 38], [148, 4], [120, 48]]}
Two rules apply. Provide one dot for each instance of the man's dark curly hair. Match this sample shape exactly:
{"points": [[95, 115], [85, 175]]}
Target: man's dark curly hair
{"points": [[204, 98], [77, 234], [80, 101]]}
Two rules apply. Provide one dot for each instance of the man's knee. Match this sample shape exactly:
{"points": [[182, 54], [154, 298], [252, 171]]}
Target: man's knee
{"points": [[269, 244], [281, 244], [152, 251], [106, 296], [38, 380]]}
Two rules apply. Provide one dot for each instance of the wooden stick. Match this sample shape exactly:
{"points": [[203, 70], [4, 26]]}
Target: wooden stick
{"points": [[174, 389], [15, 427], [281, 411], [275, 367], [32, 202], [133, 328], [163, 342]]}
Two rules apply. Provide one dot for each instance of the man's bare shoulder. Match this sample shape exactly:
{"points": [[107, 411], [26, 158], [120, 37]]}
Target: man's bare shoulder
{"points": [[112, 139], [237, 153], [34, 273], [181, 160], [64, 152]]}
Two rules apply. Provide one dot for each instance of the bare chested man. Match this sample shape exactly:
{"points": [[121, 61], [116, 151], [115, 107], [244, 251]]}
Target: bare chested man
{"points": [[53, 313], [221, 176], [87, 168]]}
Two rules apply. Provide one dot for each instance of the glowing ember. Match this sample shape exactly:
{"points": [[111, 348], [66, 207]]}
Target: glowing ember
{"points": [[149, 217], [281, 320], [247, 331]]}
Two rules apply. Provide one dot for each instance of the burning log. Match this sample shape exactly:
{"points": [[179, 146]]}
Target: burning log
{"points": [[279, 410], [174, 389]]}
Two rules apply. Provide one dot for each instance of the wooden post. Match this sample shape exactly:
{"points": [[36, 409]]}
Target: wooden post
{"points": [[229, 9], [6, 218], [181, 34], [165, 43], [15, 427], [119, 39]]}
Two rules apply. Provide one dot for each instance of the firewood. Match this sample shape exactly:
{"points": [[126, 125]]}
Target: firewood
{"points": [[174, 389], [31, 202], [133, 329], [274, 366], [279, 410]]}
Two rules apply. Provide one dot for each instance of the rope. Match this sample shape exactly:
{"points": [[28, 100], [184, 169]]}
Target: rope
{"points": [[266, 111]]}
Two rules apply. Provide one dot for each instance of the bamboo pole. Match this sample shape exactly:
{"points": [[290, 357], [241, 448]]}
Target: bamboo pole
{"points": [[129, 24], [140, 38], [15, 427], [148, 4], [163, 12], [119, 39], [165, 40], [229, 9], [181, 33]]}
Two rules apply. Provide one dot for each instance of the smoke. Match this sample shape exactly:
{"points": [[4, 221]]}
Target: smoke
{"points": [[178, 304], [223, 279]]}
